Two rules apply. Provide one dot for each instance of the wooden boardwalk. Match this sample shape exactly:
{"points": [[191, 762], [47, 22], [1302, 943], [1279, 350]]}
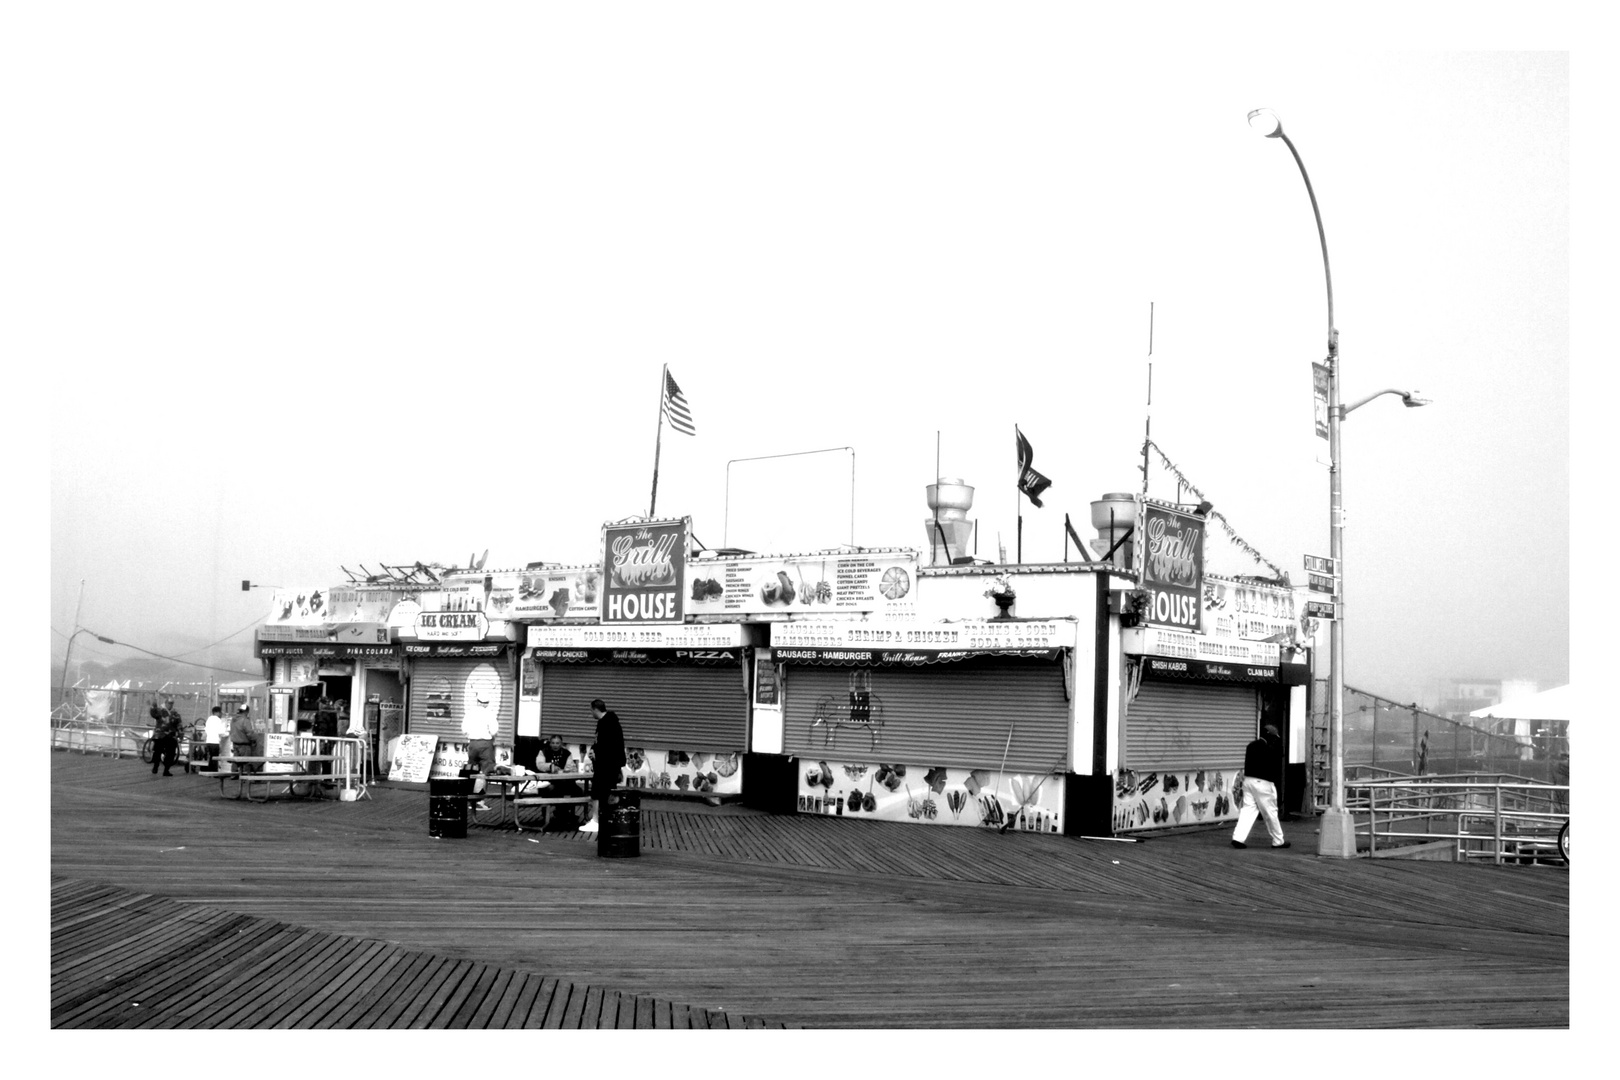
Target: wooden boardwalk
{"points": [[750, 919], [121, 959]]}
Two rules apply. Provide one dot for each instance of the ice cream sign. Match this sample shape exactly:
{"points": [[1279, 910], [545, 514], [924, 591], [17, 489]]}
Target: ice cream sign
{"points": [[451, 625], [644, 571]]}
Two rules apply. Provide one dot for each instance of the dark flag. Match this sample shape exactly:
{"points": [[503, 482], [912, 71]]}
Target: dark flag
{"points": [[675, 407], [1030, 482]]}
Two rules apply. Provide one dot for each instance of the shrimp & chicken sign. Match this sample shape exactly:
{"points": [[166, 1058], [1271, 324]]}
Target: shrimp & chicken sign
{"points": [[644, 571]]}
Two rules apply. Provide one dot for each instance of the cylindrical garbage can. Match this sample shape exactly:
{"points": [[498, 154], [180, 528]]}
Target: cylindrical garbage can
{"points": [[619, 832], [447, 807]]}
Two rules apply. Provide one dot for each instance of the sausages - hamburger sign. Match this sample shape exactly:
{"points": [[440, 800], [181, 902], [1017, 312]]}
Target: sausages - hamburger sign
{"points": [[644, 571]]}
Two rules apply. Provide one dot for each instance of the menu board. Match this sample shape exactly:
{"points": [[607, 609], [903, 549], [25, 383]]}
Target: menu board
{"points": [[280, 744], [872, 582], [413, 758]]}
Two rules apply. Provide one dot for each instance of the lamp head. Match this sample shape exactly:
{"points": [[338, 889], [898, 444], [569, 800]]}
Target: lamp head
{"points": [[1411, 400], [1266, 123]]}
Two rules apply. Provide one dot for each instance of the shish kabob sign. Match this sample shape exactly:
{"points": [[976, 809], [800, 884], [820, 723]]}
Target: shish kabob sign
{"points": [[644, 571]]}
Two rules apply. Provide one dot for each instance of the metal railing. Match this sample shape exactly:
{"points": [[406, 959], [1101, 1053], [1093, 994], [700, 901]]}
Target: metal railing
{"points": [[1500, 818], [351, 765], [1405, 740], [97, 737]]}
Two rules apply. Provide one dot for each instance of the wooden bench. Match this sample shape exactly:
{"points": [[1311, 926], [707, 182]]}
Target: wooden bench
{"points": [[548, 802]]}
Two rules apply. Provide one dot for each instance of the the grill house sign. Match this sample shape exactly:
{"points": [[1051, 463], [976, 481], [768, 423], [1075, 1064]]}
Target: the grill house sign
{"points": [[1172, 550], [644, 571]]}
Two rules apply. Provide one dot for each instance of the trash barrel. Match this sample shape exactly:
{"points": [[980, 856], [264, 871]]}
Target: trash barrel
{"points": [[447, 807], [618, 834]]}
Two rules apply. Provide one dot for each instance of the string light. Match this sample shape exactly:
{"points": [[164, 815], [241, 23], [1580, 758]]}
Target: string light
{"points": [[1242, 544]]}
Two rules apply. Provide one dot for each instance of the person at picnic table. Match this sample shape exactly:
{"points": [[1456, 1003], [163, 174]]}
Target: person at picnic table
{"points": [[166, 732], [554, 758], [215, 728], [244, 739], [480, 726], [609, 756]]}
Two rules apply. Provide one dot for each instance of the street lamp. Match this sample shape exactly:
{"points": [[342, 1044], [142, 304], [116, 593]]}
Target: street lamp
{"points": [[1409, 398], [1337, 836]]}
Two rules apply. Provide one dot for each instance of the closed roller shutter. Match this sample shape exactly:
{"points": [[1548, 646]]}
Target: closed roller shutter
{"points": [[1186, 726], [439, 693], [674, 706], [955, 714]]}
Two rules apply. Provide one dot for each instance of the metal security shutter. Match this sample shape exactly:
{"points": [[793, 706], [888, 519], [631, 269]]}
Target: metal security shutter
{"points": [[438, 693], [674, 706], [1186, 726], [940, 714]]}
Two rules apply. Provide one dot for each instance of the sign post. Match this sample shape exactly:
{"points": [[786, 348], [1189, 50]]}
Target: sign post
{"points": [[1322, 576]]}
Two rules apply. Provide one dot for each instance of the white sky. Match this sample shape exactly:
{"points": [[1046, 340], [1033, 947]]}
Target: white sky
{"points": [[331, 285]]}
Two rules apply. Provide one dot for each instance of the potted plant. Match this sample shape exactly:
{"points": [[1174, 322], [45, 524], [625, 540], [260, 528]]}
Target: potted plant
{"points": [[1001, 591]]}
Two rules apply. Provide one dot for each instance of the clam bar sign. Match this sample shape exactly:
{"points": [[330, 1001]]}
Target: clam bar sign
{"points": [[1208, 670]]}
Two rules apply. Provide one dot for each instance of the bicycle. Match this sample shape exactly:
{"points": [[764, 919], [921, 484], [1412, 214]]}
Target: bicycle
{"points": [[182, 751]]}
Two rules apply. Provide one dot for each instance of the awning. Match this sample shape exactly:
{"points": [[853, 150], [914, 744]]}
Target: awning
{"points": [[1555, 704], [1158, 667], [636, 656], [898, 657]]}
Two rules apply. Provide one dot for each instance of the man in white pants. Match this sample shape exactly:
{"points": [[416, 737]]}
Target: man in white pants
{"points": [[1262, 767]]}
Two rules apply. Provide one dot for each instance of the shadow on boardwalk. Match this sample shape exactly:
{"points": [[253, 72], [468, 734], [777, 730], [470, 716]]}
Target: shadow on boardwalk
{"points": [[320, 913]]}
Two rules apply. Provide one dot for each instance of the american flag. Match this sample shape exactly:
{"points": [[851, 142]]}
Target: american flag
{"points": [[675, 407]]}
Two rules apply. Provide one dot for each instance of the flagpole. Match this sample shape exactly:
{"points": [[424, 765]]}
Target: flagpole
{"points": [[658, 443], [1018, 491]]}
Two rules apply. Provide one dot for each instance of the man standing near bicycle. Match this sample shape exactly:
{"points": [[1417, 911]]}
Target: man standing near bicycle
{"points": [[166, 732]]}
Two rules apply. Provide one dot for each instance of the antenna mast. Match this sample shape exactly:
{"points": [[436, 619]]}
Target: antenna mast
{"points": [[1147, 433]]}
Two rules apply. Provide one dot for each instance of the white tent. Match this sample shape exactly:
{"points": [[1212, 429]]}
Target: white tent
{"points": [[1555, 704]]}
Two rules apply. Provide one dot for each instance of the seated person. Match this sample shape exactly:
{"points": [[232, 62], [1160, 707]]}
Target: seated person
{"points": [[554, 758]]}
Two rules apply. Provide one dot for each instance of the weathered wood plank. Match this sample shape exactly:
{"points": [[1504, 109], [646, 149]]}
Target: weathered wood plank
{"points": [[727, 897]]}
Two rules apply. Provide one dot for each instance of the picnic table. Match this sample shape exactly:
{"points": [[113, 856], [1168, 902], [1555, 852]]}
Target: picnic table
{"points": [[246, 782], [510, 789]]}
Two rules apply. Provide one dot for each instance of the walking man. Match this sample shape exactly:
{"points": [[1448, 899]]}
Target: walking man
{"points": [[1262, 769], [609, 756]]}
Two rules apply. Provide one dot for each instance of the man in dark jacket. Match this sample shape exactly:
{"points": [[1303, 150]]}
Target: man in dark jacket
{"points": [[1262, 769], [166, 731], [244, 739], [609, 755]]}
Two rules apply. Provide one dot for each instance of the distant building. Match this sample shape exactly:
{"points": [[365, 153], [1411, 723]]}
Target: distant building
{"points": [[1459, 697]]}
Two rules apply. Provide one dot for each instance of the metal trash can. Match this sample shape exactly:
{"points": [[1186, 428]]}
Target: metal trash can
{"points": [[447, 807], [618, 834]]}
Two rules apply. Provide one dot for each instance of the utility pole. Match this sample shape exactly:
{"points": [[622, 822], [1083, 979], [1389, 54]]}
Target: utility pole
{"points": [[77, 611]]}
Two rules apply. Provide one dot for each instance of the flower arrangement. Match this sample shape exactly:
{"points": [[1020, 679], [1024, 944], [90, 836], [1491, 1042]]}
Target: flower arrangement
{"points": [[1000, 588]]}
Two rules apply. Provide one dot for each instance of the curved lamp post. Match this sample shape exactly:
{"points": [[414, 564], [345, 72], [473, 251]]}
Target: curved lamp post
{"points": [[1338, 834]]}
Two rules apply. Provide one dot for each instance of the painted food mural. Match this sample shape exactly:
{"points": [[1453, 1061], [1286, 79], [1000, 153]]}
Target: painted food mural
{"points": [[937, 795], [683, 770], [1145, 800]]}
